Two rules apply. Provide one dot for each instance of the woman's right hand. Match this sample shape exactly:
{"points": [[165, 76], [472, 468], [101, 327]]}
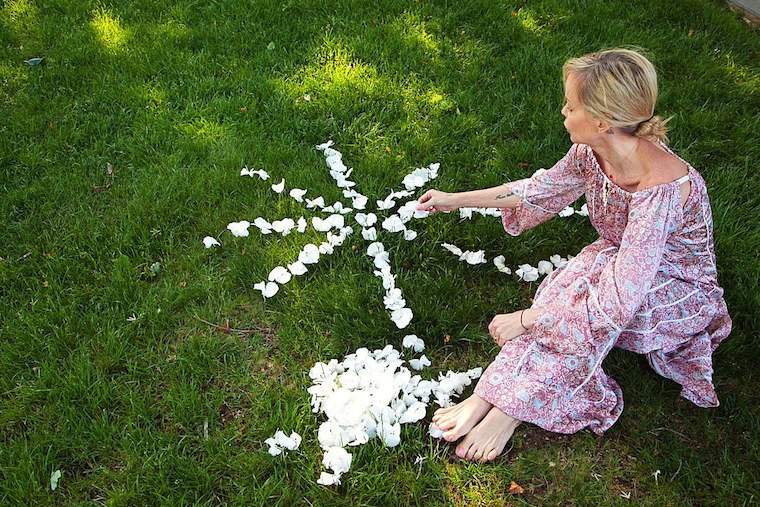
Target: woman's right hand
{"points": [[435, 200]]}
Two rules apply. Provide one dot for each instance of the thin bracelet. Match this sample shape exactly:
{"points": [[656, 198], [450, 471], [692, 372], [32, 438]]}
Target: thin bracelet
{"points": [[521, 323]]}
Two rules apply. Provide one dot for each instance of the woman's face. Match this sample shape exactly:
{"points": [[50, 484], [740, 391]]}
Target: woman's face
{"points": [[580, 124]]}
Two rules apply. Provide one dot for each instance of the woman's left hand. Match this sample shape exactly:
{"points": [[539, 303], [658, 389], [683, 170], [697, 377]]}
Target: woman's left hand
{"points": [[505, 327]]}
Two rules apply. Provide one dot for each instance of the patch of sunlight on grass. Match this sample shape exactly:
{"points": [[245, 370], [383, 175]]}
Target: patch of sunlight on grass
{"points": [[413, 31], [153, 96], [19, 14], [746, 78], [528, 21], [109, 31], [204, 131], [474, 486], [334, 73], [172, 30]]}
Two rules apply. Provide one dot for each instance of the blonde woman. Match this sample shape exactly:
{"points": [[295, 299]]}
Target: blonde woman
{"points": [[648, 284]]}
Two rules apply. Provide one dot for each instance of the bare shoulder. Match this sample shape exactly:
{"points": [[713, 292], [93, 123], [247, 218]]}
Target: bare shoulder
{"points": [[662, 166]]}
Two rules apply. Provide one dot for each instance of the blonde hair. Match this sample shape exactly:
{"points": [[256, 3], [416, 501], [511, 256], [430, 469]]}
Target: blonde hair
{"points": [[619, 86]]}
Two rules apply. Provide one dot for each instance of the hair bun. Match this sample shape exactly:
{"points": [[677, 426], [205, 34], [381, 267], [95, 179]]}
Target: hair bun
{"points": [[653, 129]]}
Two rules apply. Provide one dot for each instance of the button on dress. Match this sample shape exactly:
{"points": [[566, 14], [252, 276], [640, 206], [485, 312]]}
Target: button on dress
{"points": [[648, 284]]}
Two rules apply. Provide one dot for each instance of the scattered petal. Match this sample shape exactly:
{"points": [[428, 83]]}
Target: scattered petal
{"points": [[268, 289], [297, 194], [239, 229], [209, 242]]}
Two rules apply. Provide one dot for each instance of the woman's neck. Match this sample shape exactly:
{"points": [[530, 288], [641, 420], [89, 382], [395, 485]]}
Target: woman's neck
{"points": [[620, 151]]}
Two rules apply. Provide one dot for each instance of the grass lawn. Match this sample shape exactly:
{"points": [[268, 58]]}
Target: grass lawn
{"points": [[177, 96]]}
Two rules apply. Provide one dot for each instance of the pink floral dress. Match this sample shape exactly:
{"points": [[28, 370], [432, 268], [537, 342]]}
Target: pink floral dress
{"points": [[648, 284]]}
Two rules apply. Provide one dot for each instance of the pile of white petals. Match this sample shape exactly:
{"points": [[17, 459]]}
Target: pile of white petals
{"points": [[280, 441], [371, 394]]}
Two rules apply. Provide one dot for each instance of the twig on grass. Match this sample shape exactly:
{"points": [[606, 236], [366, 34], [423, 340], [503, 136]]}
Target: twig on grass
{"points": [[265, 332]]}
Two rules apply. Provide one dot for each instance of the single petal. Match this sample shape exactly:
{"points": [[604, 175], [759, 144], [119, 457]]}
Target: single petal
{"points": [[208, 242], [297, 194], [279, 187]]}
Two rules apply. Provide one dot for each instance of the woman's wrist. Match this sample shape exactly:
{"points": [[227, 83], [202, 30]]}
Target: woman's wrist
{"points": [[529, 317]]}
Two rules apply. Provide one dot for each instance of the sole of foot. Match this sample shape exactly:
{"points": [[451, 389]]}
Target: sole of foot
{"points": [[456, 421], [486, 441]]}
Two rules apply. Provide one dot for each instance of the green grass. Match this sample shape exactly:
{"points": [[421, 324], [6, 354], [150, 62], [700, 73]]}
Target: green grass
{"points": [[179, 95]]}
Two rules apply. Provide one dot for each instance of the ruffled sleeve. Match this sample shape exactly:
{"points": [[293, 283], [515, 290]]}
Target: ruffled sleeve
{"points": [[544, 195], [623, 283]]}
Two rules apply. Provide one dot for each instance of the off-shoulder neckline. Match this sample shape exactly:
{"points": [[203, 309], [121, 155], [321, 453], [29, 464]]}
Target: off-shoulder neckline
{"points": [[676, 182]]}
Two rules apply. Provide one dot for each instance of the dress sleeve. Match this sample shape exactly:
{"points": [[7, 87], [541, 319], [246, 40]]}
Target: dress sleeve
{"points": [[624, 281], [544, 195]]}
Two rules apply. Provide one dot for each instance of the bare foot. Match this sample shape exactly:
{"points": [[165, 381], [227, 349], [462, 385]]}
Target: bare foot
{"points": [[456, 421], [487, 440]]}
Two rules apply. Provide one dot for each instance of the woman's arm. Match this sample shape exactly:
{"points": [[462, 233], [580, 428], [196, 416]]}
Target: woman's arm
{"points": [[494, 197]]}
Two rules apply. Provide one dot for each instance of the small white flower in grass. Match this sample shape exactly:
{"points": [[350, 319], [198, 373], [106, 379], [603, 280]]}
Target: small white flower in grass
{"points": [[279, 187], [309, 254], [334, 221], [209, 242], [466, 213], [324, 146], [409, 234], [54, 478], [298, 268], [545, 267], [500, 265], [239, 229], [418, 364], [394, 300], [583, 211], [567, 212], [268, 289], [402, 317], [297, 194], [280, 275], [527, 273], [412, 341]]}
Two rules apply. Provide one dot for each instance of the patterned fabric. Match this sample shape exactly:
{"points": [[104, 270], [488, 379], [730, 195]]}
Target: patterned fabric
{"points": [[648, 284]]}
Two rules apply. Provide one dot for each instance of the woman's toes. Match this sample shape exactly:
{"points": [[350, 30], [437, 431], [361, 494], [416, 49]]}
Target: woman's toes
{"points": [[462, 449], [492, 455], [471, 452]]}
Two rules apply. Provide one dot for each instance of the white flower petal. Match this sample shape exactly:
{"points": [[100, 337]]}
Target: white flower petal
{"points": [[268, 289], [208, 242], [369, 234], [297, 194], [451, 248], [309, 254], [298, 268], [402, 317], [279, 187], [409, 234], [239, 229], [280, 275]]}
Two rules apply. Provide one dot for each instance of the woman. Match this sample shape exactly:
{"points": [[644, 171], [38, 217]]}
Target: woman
{"points": [[648, 284]]}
